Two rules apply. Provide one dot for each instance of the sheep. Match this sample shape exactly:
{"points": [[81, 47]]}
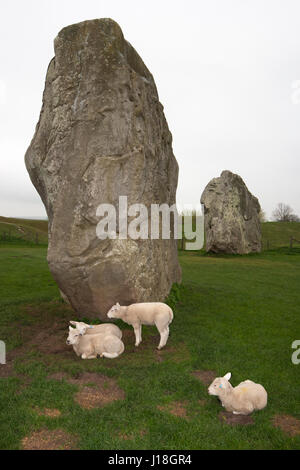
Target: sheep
{"points": [[151, 313], [243, 399], [84, 328], [89, 346]]}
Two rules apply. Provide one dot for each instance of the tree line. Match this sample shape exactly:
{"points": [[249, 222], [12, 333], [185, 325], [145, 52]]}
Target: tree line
{"points": [[284, 213]]}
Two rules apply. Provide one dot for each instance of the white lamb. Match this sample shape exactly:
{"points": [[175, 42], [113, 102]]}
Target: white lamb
{"points": [[84, 328], [151, 313], [90, 346], [247, 397]]}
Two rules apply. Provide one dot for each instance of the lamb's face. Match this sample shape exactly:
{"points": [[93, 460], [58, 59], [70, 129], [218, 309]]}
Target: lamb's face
{"points": [[74, 336], [81, 327], [215, 387], [219, 385], [113, 312]]}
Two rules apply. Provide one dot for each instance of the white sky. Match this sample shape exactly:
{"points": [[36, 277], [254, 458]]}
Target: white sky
{"points": [[224, 69]]}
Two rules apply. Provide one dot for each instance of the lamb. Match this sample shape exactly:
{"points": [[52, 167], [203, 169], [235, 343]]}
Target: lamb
{"points": [[247, 397], [148, 313], [84, 328], [90, 346]]}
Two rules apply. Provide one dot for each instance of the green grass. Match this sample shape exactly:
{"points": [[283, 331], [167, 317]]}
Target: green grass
{"points": [[278, 234], [24, 230], [233, 313], [274, 234], [41, 225]]}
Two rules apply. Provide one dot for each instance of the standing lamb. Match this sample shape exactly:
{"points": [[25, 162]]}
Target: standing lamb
{"points": [[84, 328], [148, 313], [90, 346], [243, 399]]}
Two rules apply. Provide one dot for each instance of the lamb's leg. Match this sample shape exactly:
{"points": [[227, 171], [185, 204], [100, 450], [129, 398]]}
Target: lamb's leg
{"points": [[162, 324], [166, 335], [85, 356], [241, 413], [162, 340], [109, 355], [137, 332]]}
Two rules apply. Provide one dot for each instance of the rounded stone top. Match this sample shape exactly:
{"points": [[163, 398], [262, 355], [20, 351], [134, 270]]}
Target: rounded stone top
{"points": [[105, 26], [100, 40], [226, 173]]}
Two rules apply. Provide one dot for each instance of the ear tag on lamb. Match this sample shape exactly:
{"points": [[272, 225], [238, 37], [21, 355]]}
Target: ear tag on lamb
{"points": [[91, 326], [220, 386]]}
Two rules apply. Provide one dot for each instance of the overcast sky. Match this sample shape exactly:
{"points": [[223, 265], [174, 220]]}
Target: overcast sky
{"points": [[227, 73]]}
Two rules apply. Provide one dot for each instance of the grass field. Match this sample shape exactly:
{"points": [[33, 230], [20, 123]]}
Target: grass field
{"points": [[235, 313], [24, 230], [274, 234], [278, 234]]}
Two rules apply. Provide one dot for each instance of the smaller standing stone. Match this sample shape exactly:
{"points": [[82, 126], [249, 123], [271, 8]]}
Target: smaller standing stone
{"points": [[231, 215]]}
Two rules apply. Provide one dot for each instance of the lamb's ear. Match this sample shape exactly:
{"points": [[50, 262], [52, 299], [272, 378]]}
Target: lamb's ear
{"points": [[117, 304], [70, 328], [227, 376], [73, 322]]}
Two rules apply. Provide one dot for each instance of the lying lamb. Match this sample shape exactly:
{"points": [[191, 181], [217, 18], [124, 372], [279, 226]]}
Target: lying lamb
{"points": [[241, 400], [89, 346], [84, 328], [151, 313]]}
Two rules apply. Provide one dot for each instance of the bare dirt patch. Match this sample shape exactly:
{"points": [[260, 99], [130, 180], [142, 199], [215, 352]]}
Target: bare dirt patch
{"points": [[6, 370], [202, 402], [49, 412], [49, 440], [95, 390], [131, 436], [104, 391], [43, 332], [235, 420], [206, 376], [148, 341], [58, 376], [128, 336], [51, 341], [175, 408], [288, 424]]}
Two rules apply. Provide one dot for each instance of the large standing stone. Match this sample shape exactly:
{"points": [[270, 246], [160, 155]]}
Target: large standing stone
{"points": [[102, 134], [231, 216]]}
